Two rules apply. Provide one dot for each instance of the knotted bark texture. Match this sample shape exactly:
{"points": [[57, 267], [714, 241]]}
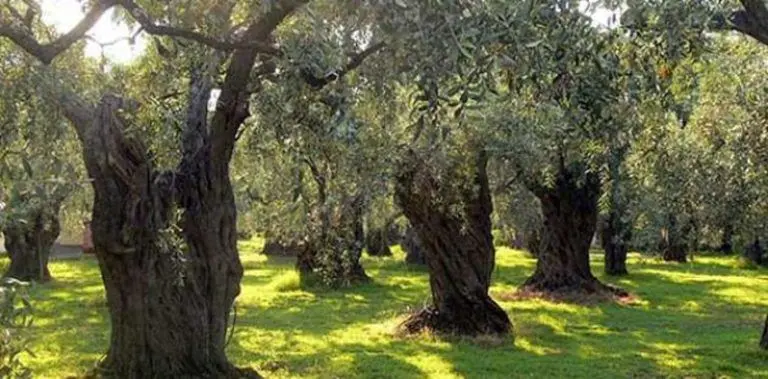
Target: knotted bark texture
{"points": [[458, 248], [570, 210], [29, 243], [169, 293]]}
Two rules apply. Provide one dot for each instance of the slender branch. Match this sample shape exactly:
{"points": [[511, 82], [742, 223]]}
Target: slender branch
{"points": [[153, 28], [354, 62], [47, 52]]}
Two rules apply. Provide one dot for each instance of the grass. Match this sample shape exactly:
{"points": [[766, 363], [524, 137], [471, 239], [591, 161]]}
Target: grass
{"points": [[696, 320]]}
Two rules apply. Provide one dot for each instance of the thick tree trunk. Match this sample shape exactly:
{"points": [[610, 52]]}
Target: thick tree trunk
{"points": [[29, 244], [458, 249], [570, 219], [764, 336], [615, 237], [414, 252], [169, 294]]}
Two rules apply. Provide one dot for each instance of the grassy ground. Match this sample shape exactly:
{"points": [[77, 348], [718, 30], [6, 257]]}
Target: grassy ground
{"points": [[693, 320]]}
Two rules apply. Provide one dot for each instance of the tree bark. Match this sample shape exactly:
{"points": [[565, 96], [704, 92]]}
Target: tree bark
{"points": [[335, 247], [570, 219], [166, 241], [673, 241], [458, 249], [169, 294], [764, 336], [615, 237], [29, 244], [414, 252]]}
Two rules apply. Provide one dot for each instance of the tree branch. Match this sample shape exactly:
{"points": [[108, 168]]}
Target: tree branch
{"points": [[153, 28], [232, 106], [354, 62], [47, 52], [751, 21]]}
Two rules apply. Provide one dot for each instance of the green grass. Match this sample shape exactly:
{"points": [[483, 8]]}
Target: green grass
{"points": [[700, 319]]}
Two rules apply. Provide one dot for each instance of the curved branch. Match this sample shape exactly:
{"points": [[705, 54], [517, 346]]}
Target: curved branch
{"points": [[47, 52], [354, 62], [153, 28]]}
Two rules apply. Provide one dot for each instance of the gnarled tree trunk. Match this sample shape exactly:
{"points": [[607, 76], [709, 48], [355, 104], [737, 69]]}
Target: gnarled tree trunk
{"points": [[29, 243], [458, 249], [570, 219], [169, 295]]}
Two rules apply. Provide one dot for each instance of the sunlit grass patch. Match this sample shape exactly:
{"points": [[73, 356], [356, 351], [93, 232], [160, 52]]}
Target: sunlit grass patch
{"points": [[697, 320]]}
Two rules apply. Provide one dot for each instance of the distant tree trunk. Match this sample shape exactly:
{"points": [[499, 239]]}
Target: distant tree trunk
{"points": [[377, 242], [570, 219], [276, 247], [616, 230], [755, 252], [764, 336], [616, 234], [29, 244], [532, 241], [726, 244], [673, 243], [414, 252], [458, 249], [335, 247]]}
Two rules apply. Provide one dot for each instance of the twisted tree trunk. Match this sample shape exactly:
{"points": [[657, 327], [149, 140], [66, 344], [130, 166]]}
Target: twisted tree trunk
{"points": [[29, 243], [169, 295], [458, 249], [570, 219]]}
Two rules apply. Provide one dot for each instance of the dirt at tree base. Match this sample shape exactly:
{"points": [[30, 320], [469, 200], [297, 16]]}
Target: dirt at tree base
{"points": [[430, 320], [592, 294]]}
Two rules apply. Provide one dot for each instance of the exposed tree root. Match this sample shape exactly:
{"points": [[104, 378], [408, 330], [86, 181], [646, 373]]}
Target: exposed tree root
{"points": [[493, 322]]}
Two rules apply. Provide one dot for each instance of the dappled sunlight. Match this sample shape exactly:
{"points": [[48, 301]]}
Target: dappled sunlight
{"points": [[528, 346], [696, 319]]}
